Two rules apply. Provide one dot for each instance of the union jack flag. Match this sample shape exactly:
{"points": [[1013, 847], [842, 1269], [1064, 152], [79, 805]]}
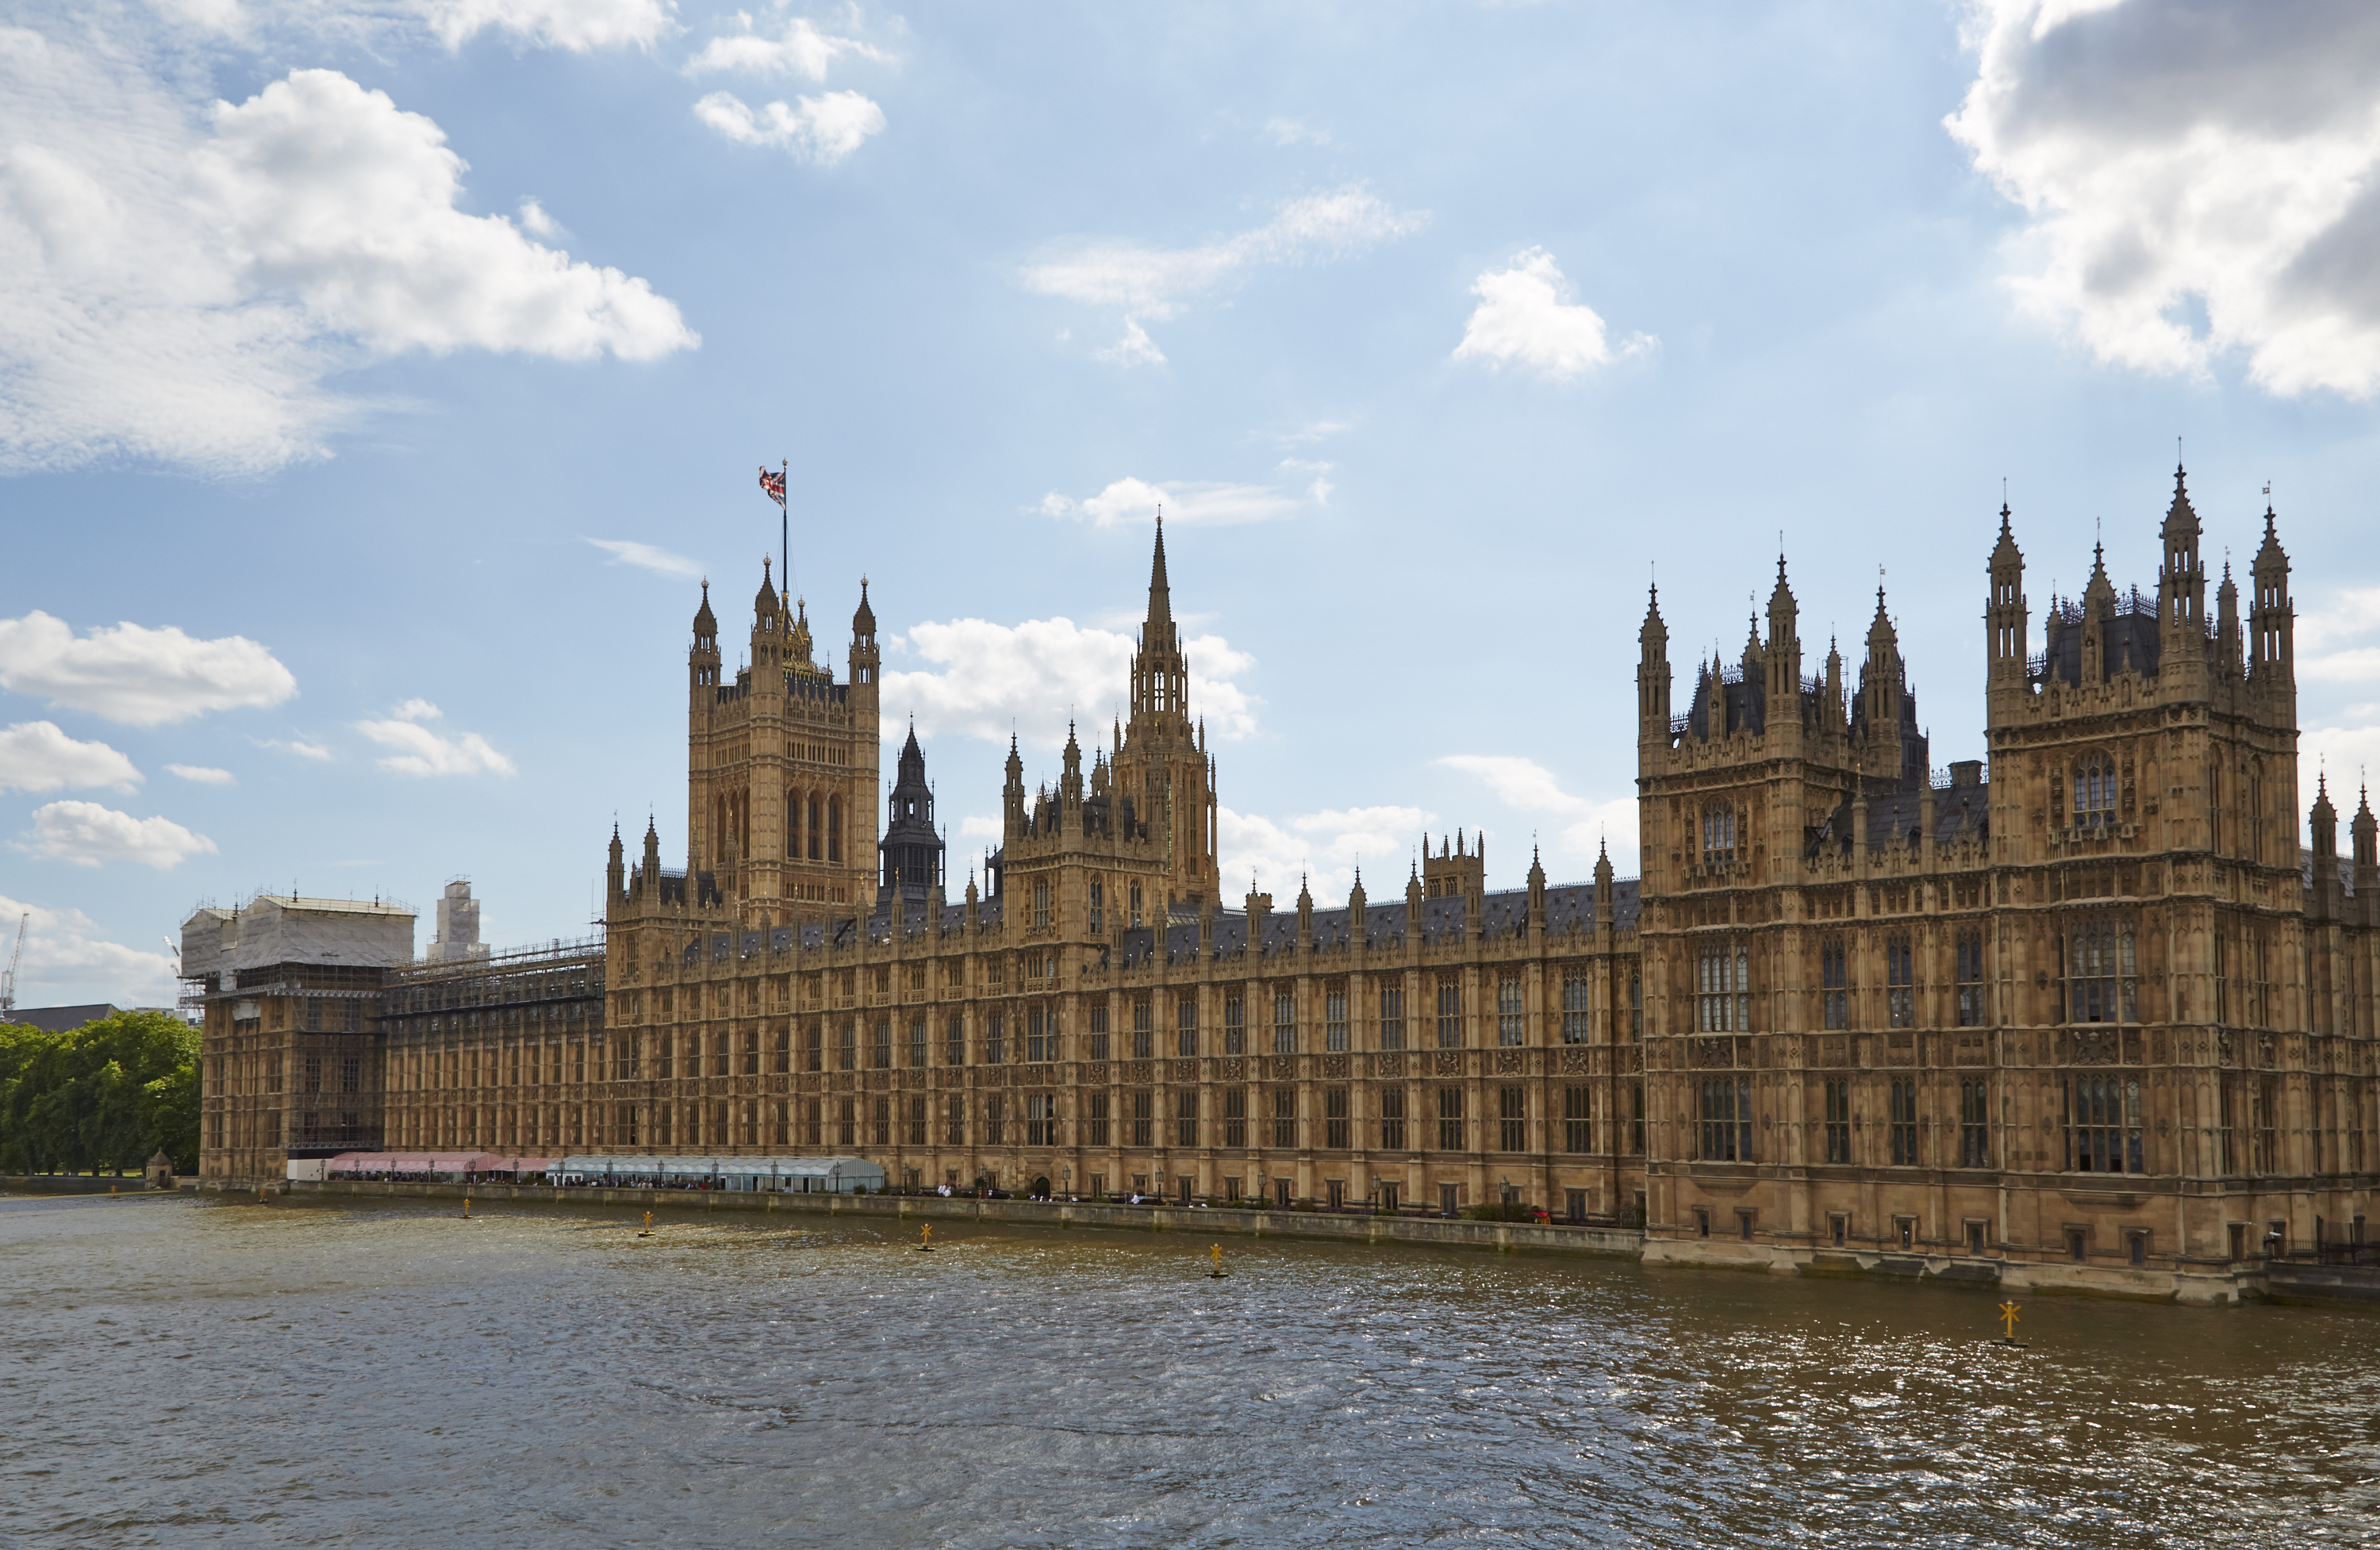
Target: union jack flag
{"points": [[775, 486]]}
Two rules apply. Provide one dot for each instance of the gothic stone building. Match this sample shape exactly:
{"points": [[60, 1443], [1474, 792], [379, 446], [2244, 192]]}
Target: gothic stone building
{"points": [[2081, 1012]]}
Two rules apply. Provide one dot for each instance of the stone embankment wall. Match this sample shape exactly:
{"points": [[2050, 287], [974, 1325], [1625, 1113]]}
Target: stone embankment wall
{"points": [[1348, 1227]]}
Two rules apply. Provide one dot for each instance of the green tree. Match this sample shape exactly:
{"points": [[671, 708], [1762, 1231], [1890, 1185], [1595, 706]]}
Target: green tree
{"points": [[105, 1097]]}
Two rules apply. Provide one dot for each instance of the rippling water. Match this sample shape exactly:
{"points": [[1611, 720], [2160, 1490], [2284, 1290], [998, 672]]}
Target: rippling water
{"points": [[182, 1371]]}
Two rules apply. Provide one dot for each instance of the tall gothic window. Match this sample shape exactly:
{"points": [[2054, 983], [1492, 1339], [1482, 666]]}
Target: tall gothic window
{"points": [[1727, 1119], [1969, 954], [1719, 836], [1392, 1017], [1834, 979], [834, 828], [1974, 1124], [1041, 906], [1577, 991], [1450, 1013], [1509, 1019], [956, 1037], [2095, 792], [1392, 1119], [1578, 1114], [1900, 1121], [1235, 1025], [1143, 1036], [2100, 973], [1285, 1022], [1040, 1034], [1899, 980], [1098, 910], [1284, 1117], [1722, 988], [1185, 1117], [1334, 1017], [1450, 1118], [1838, 1121], [2103, 1125], [1185, 1026]]}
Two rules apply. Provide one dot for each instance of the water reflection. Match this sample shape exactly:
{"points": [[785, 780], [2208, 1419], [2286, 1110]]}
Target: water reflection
{"points": [[310, 1375]]}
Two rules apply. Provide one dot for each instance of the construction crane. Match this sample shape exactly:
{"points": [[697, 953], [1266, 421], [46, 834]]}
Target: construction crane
{"points": [[9, 981]]}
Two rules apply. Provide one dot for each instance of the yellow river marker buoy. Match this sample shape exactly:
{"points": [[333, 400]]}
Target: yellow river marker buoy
{"points": [[2008, 1323], [1218, 1272], [467, 1208], [648, 1231], [926, 1244]]}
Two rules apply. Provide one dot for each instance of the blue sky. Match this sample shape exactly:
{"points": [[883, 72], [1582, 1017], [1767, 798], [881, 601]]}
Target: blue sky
{"points": [[378, 376]]}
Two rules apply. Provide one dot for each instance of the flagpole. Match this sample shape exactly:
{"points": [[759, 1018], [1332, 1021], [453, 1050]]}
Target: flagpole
{"points": [[784, 528]]}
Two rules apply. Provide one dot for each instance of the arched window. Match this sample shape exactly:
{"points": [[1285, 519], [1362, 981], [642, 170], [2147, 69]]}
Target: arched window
{"points": [[1719, 836], [814, 826], [834, 828], [2100, 973], [2095, 792]]}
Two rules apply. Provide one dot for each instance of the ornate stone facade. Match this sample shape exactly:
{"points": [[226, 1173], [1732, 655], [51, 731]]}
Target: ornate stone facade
{"points": [[2079, 1010]]}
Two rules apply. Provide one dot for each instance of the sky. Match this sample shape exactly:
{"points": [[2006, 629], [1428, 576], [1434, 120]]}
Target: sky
{"points": [[379, 379]]}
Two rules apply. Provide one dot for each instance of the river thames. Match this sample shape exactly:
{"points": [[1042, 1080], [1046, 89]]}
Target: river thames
{"points": [[189, 1372]]}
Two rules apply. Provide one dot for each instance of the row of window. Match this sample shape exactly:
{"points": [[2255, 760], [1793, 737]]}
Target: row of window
{"points": [[1268, 1117], [2102, 1123]]}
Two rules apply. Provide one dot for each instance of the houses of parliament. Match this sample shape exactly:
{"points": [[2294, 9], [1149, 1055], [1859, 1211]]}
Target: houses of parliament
{"points": [[2079, 1011]]}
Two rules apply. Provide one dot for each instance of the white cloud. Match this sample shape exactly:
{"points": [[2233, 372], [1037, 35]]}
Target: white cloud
{"points": [[86, 834], [176, 281], [821, 130], [989, 678], [1524, 318], [576, 25], [67, 952], [2185, 162], [1318, 490], [1142, 282], [1318, 431], [535, 220], [800, 49], [1324, 848], [661, 562], [1295, 131], [204, 774], [1576, 825], [420, 751], [35, 755], [980, 826], [1133, 347], [305, 748], [1134, 501], [136, 675]]}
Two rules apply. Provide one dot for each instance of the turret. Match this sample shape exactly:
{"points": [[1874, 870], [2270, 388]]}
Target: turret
{"points": [[1784, 658], [1011, 795], [1070, 784], [768, 638], [2181, 578], [702, 661], [2365, 832], [1653, 677], [2323, 821], [2098, 618], [1605, 908], [2227, 627], [1536, 895], [1304, 917], [1876, 722], [2006, 625], [616, 872], [1414, 907], [1356, 934], [2272, 627]]}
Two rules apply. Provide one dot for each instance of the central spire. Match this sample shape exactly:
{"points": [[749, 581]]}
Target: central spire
{"points": [[1160, 596]]}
